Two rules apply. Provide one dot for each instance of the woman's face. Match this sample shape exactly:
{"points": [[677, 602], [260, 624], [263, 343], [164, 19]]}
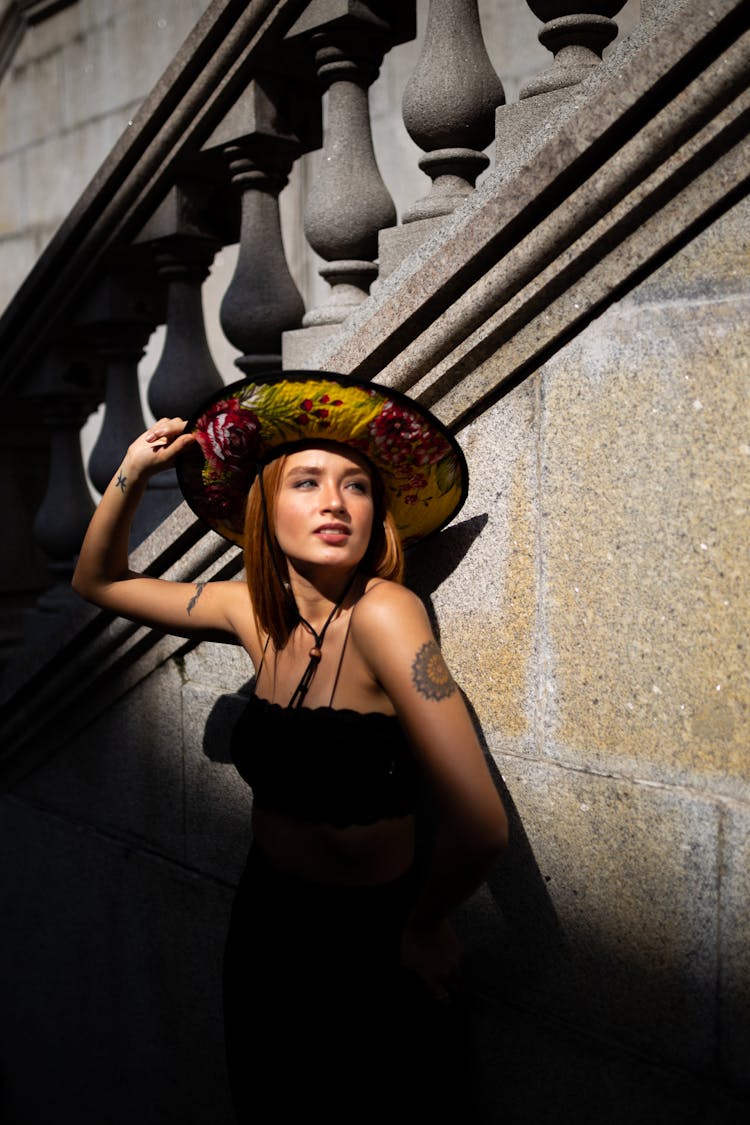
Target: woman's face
{"points": [[324, 507]]}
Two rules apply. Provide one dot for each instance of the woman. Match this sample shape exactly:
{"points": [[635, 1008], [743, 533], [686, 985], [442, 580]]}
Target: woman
{"points": [[339, 957]]}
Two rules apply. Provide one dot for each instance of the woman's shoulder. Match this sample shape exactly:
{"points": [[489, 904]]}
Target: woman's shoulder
{"points": [[383, 591], [384, 604]]}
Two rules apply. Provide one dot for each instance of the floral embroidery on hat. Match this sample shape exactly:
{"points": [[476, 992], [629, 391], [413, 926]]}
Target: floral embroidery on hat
{"points": [[422, 467]]}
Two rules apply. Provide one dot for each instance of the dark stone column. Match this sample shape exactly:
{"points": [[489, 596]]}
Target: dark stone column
{"points": [[115, 326], [67, 507], [182, 249], [276, 119]]}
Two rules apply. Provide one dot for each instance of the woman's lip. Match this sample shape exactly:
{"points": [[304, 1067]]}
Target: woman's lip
{"points": [[333, 534]]}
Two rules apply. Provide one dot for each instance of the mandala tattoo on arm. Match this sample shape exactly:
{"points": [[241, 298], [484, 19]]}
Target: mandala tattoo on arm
{"points": [[121, 481], [430, 674], [199, 588]]}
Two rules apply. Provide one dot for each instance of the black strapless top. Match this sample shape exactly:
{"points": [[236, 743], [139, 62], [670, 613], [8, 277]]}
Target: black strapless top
{"points": [[324, 764]]}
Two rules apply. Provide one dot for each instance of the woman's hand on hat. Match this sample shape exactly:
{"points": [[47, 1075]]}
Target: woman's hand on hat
{"points": [[157, 448]]}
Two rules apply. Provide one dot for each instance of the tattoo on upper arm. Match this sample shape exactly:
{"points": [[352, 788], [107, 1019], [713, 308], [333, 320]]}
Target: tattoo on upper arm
{"points": [[430, 673], [121, 481], [199, 588]]}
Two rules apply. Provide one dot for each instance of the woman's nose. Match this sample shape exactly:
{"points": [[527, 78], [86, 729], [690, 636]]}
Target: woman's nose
{"points": [[333, 499]]}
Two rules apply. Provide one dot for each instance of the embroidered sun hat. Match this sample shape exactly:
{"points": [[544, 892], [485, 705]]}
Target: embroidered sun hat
{"points": [[244, 425]]}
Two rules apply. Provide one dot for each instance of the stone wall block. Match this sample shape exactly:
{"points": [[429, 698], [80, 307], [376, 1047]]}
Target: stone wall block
{"points": [[30, 102], [51, 173], [734, 999], [685, 277], [529, 1072], [120, 58], [606, 910], [100, 1000], [485, 598], [13, 208], [43, 38], [123, 775], [645, 583], [217, 802], [17, 256], [221, 666]]}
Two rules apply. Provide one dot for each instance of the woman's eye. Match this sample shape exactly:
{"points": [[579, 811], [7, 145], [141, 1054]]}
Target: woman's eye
{"points": [[359, 486], [307, 483]]}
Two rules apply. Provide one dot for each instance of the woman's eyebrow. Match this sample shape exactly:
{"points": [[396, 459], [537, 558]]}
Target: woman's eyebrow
{"points": [[305, 470], [315, 470]]}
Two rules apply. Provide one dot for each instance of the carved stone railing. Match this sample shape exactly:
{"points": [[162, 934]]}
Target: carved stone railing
{"points": [[202, 166]]}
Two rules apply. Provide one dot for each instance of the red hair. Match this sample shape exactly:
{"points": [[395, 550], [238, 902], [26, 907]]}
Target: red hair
{"points": [[265, 563]]}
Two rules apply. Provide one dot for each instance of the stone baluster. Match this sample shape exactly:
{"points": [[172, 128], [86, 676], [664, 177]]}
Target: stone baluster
{"points": [[348, 203], [576, 32], [449, 106], [67, 507], [121, 347], [276, 120], [262, 299], [182, 252], [116, 324], [449, 109]]}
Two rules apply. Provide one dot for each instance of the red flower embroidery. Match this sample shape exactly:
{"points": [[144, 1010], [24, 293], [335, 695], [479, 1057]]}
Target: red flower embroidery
{"points": [[228, 438], [401, 439]]}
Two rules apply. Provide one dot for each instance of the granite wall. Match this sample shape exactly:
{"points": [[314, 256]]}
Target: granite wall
{"points": [[67, 94], [598, 622]]}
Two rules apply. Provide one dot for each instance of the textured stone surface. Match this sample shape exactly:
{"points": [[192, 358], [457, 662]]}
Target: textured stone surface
{"points": [[616, 927], [485, 599], [646, 589], [123, 774], [529, 1072], [74, 82], [710, 266], [217, 801], [119, 56], [110, 974], [609, 898], [734, 1012], [225, 667]]}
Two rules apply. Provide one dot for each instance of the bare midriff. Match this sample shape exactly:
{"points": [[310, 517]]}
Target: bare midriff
{"points": [[360, 855]]}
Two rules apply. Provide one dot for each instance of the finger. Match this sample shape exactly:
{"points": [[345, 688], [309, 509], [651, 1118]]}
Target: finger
{"points": [[165, 428], [184, 439]]}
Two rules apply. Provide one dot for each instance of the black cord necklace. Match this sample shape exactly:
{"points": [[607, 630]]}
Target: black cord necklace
{"points": [[317, 650]]}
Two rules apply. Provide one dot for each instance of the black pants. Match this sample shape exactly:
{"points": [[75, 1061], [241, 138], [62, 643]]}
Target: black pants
{"points": [[320, 1019]]}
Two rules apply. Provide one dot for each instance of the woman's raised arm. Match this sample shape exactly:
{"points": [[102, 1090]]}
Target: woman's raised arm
{"points": [[103, 575]]}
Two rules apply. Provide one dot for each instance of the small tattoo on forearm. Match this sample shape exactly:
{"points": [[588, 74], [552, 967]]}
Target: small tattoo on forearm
{"points": [[121, 481], [199, 588], [430, 674]]}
